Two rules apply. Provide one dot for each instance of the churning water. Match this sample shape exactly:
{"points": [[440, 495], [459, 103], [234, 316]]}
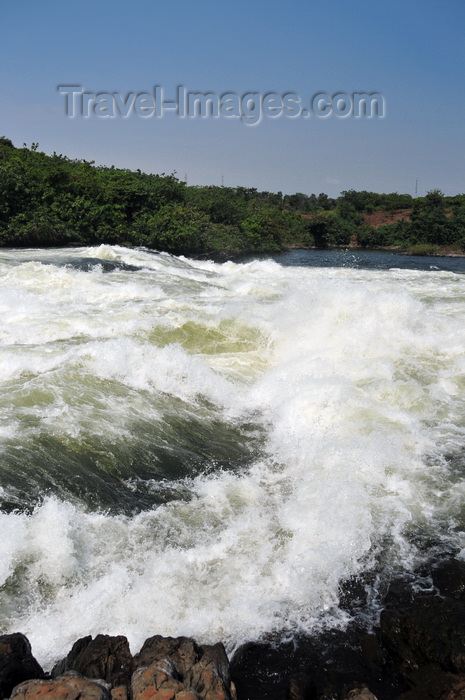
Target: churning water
{"points": [[210, 450]]}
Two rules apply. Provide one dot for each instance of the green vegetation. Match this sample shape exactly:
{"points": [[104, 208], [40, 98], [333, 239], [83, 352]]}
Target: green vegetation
{"points": [[55, 201], [424, 225]]}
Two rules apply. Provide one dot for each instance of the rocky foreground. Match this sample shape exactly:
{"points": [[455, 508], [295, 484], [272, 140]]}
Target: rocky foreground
{"points": [[416, 653]]}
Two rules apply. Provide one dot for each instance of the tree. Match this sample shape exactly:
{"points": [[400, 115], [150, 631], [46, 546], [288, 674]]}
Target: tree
{"points": [[428, 220], [175, 228]]}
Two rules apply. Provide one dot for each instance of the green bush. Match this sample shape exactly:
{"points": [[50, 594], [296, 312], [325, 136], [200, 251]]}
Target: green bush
{"points": [[52, 200]]}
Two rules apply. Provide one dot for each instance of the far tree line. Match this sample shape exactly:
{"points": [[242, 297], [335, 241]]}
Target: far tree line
{"points": [[56, 201]]}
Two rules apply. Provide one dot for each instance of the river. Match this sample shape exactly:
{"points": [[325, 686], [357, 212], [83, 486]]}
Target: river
{"points": [[203, 449]]}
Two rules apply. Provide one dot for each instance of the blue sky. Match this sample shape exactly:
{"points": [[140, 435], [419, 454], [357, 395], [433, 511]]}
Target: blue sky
{"points": [[411, 52]]}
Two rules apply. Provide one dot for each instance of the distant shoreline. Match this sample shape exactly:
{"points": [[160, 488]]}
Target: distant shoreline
{"points": [[397, 250], [439, 253]]}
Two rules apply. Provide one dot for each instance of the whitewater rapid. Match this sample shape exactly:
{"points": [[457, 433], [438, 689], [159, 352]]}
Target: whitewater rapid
{"points": [[192, 448]]}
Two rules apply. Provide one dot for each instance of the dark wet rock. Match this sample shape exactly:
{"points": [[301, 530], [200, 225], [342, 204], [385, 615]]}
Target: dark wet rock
{"points": [[315, 668], [17, 663], [70, 686], [155, 682], [182, 652], [105, 657], [359, 693], [67, 663], [456, 690], [180, 668], [300, 687], [432, 683], [423, 629], [119, 693], [449, 578], [210, 676], [261, 670]]}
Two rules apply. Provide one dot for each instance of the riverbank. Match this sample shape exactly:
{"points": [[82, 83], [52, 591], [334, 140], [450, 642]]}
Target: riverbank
{"points": [[425, 250], [420, 251]]}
